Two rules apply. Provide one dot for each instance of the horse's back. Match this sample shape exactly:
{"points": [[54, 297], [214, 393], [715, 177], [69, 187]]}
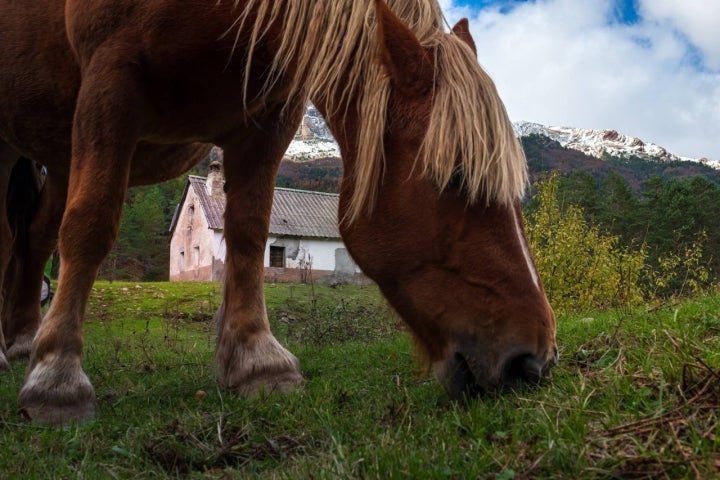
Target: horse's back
{"points": [[41, 76], [191, 63]]}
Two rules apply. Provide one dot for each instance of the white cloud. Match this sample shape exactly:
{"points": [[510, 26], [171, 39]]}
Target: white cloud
{"points": [[563, 62], [697, 19]]}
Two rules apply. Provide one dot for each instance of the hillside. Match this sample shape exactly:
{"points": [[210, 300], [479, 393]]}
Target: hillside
{"points": [[312, 160], [321, 174], [545, 155]]}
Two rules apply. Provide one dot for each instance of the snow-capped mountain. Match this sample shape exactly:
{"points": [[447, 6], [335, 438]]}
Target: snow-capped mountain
{"points": [[314, 140], [597, 142]]}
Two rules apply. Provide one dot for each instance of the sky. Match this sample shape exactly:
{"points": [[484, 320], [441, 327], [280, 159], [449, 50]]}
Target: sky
{"points": [[646, 68]]}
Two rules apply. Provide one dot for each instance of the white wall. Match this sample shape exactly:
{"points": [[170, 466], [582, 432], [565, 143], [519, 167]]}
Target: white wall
{"points": [[219, 245], [191, 246], [321, 251]]}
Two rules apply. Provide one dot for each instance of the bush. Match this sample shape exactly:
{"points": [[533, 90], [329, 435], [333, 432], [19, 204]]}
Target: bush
{"points": [[682, 272], [582, 268]]}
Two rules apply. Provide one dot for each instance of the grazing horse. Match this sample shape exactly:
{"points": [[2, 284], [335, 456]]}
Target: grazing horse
{"points": [[429, 204]]}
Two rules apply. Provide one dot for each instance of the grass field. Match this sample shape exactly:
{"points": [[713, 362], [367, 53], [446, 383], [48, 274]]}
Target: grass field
{"points": [[636, 395]]}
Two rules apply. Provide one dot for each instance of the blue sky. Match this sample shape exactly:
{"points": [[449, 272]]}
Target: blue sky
{"points": [[647, 68], [624, 11]]}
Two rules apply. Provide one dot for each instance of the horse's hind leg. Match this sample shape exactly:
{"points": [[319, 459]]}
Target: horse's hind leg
{"points": [[56, 388], [7, 160], [23, 320], [249, 357]]}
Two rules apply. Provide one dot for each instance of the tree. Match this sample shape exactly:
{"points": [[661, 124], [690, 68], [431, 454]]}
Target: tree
{"points": [[581, 189], [140, 251], [618, 209]]}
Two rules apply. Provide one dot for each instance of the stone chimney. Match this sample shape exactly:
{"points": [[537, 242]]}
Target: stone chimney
{"points": [[215, 180]]}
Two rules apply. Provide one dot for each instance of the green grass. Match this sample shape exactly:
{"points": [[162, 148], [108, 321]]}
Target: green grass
{"points": [[636, 395]]}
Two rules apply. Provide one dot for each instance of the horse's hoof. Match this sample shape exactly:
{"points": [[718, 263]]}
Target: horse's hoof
{"points": [[281, 382], [57, 396], [45, 414], [266, 366], [20, 348]]}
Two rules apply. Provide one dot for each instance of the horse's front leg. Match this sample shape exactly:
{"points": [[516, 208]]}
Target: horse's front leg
{"points": [[23, 319], [56, 388], [249, 357]]}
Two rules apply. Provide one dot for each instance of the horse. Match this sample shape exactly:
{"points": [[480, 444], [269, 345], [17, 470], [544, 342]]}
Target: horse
{"points": [[430, 197]]}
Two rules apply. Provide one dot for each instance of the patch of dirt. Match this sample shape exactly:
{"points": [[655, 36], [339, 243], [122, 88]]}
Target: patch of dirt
{"points": [[209, 448], [670, 444]]}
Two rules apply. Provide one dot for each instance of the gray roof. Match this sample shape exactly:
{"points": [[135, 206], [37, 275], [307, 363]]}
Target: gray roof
{"points": [[212, 206], [303, 213], [297, 213]]}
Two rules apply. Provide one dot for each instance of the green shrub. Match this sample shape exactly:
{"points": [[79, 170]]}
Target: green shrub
{"points": [[682, 272], [581, 267]]}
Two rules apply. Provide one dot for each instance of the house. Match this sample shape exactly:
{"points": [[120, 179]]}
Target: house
{"points": [[304, 241]]}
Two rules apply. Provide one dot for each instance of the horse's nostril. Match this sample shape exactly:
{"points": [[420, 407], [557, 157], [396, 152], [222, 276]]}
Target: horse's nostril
{"points": [[460, 381], [520, 369]]}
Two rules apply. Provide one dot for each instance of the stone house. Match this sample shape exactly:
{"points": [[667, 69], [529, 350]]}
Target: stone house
{"points": [[304, 242]]}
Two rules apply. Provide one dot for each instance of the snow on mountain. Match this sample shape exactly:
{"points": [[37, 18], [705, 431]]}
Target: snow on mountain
{"points": [[597, 142], [314, 140]]}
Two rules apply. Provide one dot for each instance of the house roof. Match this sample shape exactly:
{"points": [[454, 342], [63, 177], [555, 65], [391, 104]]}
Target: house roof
{"points": [[304, 214], [212, 206], [298, 213]]}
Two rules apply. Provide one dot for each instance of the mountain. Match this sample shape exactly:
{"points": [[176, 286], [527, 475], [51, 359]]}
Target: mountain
{"points": [[597, 143], [313, 159], [313, 139]]}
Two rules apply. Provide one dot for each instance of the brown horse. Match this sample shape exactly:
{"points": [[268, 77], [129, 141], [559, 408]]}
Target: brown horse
{"points": [[429, 202]]}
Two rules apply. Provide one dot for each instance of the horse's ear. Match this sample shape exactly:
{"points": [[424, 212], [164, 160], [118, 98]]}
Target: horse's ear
{"points": [[462, 31], [406, 61]]}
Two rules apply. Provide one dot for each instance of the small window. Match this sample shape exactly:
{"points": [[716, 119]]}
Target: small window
{"points": [[182, 259], [277, 257], [197, 255]]}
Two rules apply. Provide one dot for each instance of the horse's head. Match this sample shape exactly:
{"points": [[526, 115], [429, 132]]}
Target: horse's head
{"points": [[447, 247]]}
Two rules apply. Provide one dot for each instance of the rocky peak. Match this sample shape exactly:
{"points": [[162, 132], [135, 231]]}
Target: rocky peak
{"points": [[312, 139]]}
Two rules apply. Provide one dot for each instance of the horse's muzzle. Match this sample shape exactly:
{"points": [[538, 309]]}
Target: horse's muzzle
{"points": [[467, 376]]}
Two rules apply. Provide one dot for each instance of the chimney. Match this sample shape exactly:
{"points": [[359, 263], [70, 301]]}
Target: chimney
{"points": [[215, 180]]}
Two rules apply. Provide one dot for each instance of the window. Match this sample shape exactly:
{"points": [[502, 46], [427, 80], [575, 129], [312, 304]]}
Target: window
{"points": [[182, 259], [197, 255], [191, 214], [277, 257]]}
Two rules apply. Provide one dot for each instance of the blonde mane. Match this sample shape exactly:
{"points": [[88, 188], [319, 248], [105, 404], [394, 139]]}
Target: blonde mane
{"points": [[333, 50]]}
